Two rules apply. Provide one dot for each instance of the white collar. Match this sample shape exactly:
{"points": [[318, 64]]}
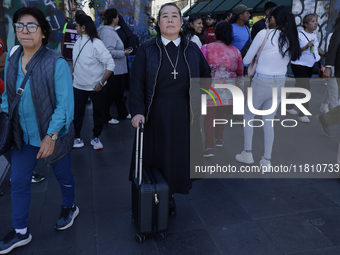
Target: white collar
{"points": [[166, 41], [118, 27]]}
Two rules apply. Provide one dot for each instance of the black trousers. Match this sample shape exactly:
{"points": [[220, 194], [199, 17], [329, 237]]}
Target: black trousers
{"points": [[302, 73], [114, 92], [80, 100]]}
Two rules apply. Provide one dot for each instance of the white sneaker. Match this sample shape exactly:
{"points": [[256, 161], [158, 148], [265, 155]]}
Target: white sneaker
{"points": [[97, 145], [291, 111], [113, 121], [265, 165], [78, 143], [245, 157], [324, 108], [129, 116], [304, 119]]}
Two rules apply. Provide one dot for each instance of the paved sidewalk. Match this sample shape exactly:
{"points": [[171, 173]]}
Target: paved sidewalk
{"points": [[219, 216]]}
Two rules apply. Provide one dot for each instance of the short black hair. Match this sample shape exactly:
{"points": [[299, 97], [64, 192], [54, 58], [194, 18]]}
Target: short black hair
{"points": [[91, 30], [269, 5], [109, 15], [226, 14], [224, 32], [39, 16]]}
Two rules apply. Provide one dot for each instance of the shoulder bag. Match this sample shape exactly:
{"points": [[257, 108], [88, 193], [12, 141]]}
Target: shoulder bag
{"points": [[246, 46], [6, 122], [317, 64], [252, 66]]}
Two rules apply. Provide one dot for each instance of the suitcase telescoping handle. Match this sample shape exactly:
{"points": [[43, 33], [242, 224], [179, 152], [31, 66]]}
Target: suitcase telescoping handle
{"points": [[139, 151]]}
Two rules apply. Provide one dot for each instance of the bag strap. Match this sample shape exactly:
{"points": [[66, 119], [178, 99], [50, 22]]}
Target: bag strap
{"points": [[79, 53], [307, 40], [30, 65], [264, 42]]}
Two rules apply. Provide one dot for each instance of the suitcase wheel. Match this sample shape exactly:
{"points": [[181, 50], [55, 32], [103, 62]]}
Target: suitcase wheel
{"points": [[139, 238], [160, 236]]}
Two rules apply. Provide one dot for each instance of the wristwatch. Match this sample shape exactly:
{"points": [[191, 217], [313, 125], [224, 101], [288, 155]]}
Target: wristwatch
{"points": [[54, 137]]}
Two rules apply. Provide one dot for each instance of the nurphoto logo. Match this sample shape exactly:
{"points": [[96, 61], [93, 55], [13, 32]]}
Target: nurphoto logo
{"points": [[238, 103]]}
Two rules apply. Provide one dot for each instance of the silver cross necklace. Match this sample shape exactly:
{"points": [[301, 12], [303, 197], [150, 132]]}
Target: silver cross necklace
{"points": [[174, 66]]}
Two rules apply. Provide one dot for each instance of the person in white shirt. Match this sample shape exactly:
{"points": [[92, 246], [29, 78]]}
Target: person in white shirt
{"points": [[281, 46], [93, 65], [193, 29], [303, 68]]}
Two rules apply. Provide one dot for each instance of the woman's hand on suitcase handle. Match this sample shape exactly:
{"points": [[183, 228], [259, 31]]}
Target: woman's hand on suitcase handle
{"points": [[136, 119]]}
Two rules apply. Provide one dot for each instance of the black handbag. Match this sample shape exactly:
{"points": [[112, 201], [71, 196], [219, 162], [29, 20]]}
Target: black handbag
{"points": [[6, 131], [6, 122]]}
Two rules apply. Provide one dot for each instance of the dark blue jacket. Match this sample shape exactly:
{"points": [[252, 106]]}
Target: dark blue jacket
{"points": [[144, 74], [44, 100]]}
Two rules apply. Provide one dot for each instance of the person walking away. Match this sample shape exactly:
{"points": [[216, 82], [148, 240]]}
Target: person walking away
{"points": [[114, 90], [280, 47], [226, 68], [261, 24]]}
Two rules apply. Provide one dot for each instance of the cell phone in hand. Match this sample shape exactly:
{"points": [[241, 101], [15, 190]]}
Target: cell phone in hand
{"points": [[129, 49]]}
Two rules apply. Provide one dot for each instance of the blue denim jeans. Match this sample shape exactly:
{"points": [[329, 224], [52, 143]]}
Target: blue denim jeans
{"points": [[262, 94], [23, 164]]}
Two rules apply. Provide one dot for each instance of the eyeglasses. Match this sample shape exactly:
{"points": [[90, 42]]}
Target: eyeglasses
{"points": [[32, 28]]}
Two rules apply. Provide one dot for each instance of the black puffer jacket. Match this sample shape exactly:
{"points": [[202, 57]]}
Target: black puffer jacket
{"points": [[145, 69]]}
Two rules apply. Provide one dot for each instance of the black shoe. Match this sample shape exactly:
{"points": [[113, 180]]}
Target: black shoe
{"points": [[13, 240], [172, 206], [209, 152], [66, 218], [324, 126]]}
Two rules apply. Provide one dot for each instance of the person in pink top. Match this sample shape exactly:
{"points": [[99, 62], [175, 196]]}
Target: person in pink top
{"points": [[226, 65]]}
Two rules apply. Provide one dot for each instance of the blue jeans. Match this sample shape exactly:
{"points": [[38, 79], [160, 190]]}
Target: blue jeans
{"points": [[262, 86], [23, 164]]}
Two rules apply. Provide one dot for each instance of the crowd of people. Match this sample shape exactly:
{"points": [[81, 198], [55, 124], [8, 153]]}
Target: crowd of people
{"points": [[51, 101]]}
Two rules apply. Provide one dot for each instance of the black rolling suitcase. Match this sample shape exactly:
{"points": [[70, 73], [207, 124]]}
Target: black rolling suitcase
{"points": [[150, 197]]}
